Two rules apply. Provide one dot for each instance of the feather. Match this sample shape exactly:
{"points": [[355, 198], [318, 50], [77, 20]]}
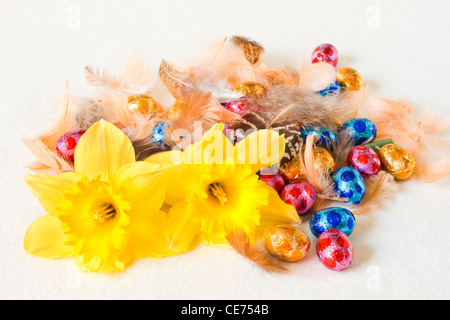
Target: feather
{"points": [[241, 243], [378, 188], [421, 131], [178, 83], [252, 50], [301, 106], [322, 182], [44, 146], [135, 79], [317, 76]]}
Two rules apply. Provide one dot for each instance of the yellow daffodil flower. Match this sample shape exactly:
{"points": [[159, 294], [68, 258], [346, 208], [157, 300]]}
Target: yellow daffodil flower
{"points": [[212, 188], [106, 213]]}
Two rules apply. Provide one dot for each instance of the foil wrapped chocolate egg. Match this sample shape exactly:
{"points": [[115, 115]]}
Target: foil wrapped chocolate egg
{"points": [[325, 53], [159, 132], [65, 146], [349, 184], [286, 242], [334, 250], [142, 104], [299, 194], [274, 181], [332, 218], [323, 160], [240, 107], [349, 78], [292, 171], [253, 89], [322, 137], [364, 159], [360, 130], [330, 91], [397, 161]]}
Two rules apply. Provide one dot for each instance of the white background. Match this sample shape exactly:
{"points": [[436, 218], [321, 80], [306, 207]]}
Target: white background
{"points": [[400, 47]]}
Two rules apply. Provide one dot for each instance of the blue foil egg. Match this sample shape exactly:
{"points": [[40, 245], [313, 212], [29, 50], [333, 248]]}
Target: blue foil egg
{"points": [[159, 131], [332, 90], [349, 184], [332, 218], [323, 137], [361, 130]]}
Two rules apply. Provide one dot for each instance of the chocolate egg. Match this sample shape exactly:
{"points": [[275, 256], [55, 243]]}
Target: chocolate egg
{"points": [[250, 89], [274, 181], [349, 78], [397, 161], [360, 130], [334, 250], [322, 137], [142, 104], [240, 107], [332, 218], [159, 132], [300, 194], [325, 53], [330, 91], [65, 146], [349, 184], [323, 160], [364, 159], [292, 171], [286, 242]]}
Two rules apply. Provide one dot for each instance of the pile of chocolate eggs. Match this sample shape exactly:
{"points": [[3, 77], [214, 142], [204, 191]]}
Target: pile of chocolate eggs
{"points": [[332, 226]]}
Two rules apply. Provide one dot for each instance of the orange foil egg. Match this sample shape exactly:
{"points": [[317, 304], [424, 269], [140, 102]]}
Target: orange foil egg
{"points": [[397, 161], [286, 242], [250, 89], [142, 103], [349, 78]]}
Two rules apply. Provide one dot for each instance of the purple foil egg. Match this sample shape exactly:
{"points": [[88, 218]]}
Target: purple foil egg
{"points": [[275, 181], [364, 159], [301, 195]]}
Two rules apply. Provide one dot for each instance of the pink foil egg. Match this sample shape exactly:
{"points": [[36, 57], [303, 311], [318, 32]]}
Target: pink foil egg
{"points": [[325, 53], [334, 250], [275, 181], [240, 107], [300, 194], [364, 159], [65, 146]]}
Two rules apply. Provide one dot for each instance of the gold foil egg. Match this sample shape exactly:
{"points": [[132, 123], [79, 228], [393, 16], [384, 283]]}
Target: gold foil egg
{"points": [[323, 161], [349, 78], [250, 89], [142, 103], [176, 109], [286, 242], [397, 161]]}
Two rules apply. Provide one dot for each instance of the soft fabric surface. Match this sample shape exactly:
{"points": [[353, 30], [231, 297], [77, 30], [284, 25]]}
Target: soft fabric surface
{"points": [[401, 251]]}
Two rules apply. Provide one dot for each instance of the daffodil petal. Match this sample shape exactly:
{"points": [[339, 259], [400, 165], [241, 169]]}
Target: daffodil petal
{"points": [[214, 148], [102, 150], [276, 212], [260, 149], [167, 158], [180, 230], [45, 238], [49, 189]]}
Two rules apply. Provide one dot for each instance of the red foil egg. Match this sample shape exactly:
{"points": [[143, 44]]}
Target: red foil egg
{"points": [[364, 159], [325, 53], [301, 195], [65, 146], [334, 250], [275, 181]]}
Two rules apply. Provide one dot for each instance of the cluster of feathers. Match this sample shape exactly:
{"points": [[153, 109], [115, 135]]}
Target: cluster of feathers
{"points": [[289, 102]]}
